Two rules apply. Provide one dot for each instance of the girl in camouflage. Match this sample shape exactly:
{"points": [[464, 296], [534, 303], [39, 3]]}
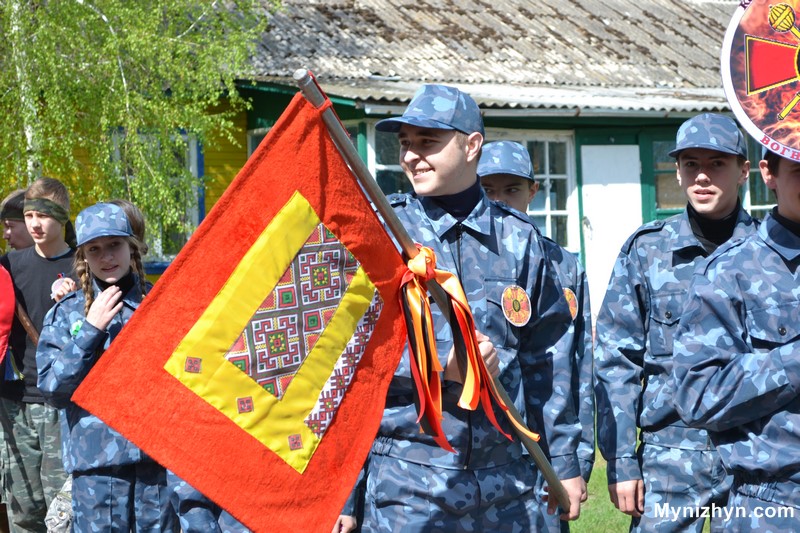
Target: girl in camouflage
{"points": [[116, 487]]}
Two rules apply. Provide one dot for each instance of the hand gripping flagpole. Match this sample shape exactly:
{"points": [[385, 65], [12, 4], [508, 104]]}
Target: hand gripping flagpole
{"points": [[312, 92]]}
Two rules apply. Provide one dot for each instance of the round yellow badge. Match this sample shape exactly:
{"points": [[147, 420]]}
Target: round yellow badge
{"points": [[516, 305], [572, 301]]}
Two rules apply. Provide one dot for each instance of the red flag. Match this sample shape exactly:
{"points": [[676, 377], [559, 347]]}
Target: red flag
{"points": [[7, 302], [257, 367]]}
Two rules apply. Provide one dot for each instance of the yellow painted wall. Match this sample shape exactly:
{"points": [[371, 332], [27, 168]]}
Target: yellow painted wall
{"points": [[223, 160]]}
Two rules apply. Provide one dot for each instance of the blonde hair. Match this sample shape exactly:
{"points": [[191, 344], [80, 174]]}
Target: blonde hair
{"points": [[85, 274], [50, 189]]}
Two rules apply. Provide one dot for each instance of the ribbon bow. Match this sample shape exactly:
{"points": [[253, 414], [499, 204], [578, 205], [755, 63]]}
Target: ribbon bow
{"points": [[478, 385]]}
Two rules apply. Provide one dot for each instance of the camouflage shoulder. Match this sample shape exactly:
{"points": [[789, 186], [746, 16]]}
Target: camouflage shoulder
{"points": [[558, 252], [67, 304], [723, 252], [398, 199], [550, 242], [505, 210], [646, 229]]}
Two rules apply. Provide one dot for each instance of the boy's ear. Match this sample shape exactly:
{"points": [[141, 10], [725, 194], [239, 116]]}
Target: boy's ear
{"points": [[766, 175], [745, 173], [474, 144]]}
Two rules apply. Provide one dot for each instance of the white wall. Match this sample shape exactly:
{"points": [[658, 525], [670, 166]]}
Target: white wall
{"points": [[612, 210]]}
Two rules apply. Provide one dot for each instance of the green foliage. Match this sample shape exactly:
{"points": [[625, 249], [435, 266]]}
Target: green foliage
{"points": [[79, 77]]}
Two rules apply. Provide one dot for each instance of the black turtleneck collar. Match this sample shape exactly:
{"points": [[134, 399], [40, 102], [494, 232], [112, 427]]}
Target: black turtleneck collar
{"points": [[461, 204], [791, 225], [712, 233], [125, 283]]}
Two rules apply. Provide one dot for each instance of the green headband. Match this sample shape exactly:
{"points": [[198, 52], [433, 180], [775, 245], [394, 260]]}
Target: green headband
{"points": [[48, 207]]}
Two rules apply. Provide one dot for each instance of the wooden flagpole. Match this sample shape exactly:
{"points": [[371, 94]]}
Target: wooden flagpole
{"points": [[313, 93]]}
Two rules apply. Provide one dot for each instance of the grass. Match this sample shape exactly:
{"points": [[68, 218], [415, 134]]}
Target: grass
{"points": [[598, 514]]}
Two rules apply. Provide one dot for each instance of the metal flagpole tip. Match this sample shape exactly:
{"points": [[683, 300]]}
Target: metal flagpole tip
{"points": [[300, 73]]}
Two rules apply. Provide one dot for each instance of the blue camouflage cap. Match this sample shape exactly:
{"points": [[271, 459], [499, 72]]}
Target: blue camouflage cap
{"points": [[712, 132], [505, 157], [101, 220], [439, 107]]}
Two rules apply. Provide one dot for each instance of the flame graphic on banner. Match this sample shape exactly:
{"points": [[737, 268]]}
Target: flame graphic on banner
{"points": [[760, 72]]}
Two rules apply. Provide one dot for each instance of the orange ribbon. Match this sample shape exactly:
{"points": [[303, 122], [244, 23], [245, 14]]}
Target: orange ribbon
{"points": [[478, 385]]}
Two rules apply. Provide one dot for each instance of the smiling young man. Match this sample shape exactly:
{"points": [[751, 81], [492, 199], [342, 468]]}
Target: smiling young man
{"points": [[737, 369], [34, 472], [676, 467], [413, 485]]}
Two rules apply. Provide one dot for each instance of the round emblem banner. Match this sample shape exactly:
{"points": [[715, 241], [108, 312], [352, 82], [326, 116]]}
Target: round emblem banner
{"points": [[516, 305], [761, 75]]}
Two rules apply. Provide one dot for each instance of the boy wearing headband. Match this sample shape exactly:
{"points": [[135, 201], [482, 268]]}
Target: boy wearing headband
{"points": [[15, 232], [34, 472]]}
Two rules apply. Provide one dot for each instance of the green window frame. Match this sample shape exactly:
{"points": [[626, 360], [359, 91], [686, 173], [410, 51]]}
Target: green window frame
{"points": [[659, 175]]}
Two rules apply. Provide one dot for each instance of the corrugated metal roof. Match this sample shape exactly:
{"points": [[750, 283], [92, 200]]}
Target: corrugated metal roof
{"points": [[579, 57]]}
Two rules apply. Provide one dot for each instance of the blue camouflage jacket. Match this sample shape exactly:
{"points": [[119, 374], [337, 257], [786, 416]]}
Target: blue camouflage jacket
{"points": [[635, 327], [573, 281], [737, 353], [493, 248], [68, 349]]}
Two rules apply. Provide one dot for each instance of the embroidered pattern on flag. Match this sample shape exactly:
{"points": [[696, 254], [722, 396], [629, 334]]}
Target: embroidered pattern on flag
{"points": [[333, 392], [295, 245], [287, 325]]}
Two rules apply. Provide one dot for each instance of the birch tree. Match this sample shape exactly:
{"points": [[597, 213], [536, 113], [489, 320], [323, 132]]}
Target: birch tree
{"points": [[106, 95]]}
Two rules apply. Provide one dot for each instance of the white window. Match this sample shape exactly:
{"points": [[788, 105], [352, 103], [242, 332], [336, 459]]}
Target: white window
{"points": [[383, 160]]}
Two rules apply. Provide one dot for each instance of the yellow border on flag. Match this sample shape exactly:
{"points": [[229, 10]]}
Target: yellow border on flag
{"points": [[279, 424]]}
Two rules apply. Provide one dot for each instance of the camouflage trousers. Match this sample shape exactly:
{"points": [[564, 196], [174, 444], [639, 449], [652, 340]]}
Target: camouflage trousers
{"points": [[680, 485], [198, 514], [766, 506], [33, 468], [407, 497], [123, 498], [59, 514]]}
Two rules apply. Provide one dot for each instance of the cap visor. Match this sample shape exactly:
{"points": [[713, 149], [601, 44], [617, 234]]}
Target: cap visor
{"points": [[109, 233], [709, 146], [500, 172], [393, 125]]}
